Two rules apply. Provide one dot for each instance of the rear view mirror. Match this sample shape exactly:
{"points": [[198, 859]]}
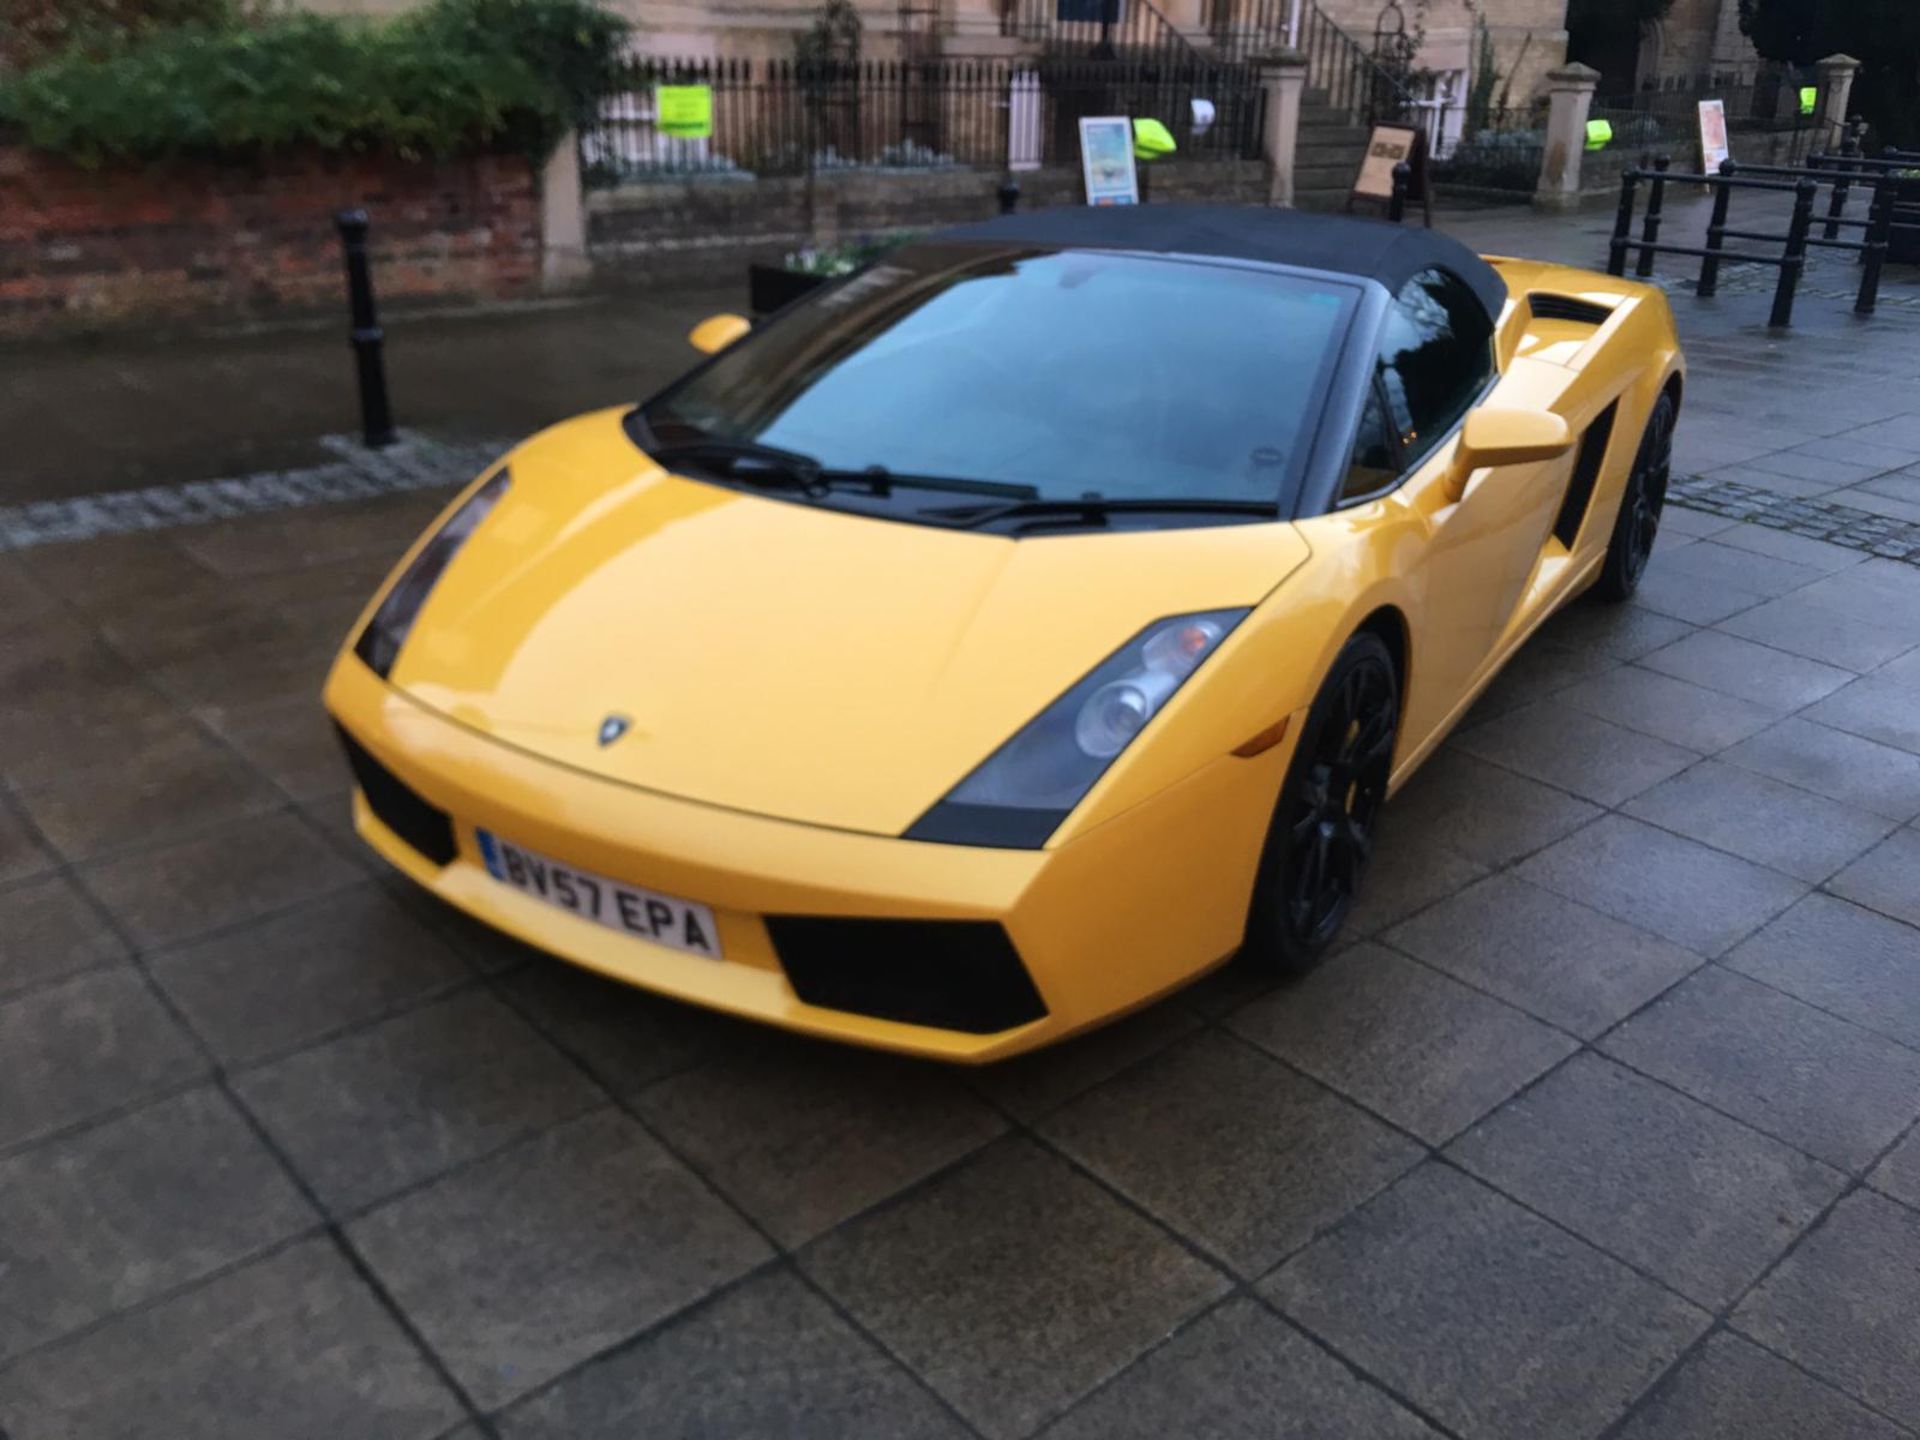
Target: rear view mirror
{"points": [[716, 332], [1513, 437]]}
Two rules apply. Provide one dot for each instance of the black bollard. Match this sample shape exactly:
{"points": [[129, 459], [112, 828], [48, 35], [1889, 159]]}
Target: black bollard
{"points": [[1843, 163], [1402, 184], [376, 416], [1650, 227], [1709, 283], [1009, 193], [1795, 260], [1622, 225], [1879, 235]]}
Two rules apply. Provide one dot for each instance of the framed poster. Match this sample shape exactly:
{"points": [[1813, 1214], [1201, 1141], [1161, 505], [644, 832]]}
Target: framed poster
{"points": [[1106, 160], [1713, 136]]}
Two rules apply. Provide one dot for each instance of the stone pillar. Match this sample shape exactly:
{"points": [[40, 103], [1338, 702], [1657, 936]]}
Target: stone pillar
{"points": [[563, 219], [1835, 75], [1283, 75], [1570, 91]]}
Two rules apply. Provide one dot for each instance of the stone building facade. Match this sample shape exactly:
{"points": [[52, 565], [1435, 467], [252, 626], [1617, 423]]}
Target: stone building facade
{"points": [[1529, 37], [1698, 40]]}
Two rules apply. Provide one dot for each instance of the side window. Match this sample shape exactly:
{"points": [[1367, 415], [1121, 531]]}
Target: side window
{"points": [[1436, 356], [1376, 452]]}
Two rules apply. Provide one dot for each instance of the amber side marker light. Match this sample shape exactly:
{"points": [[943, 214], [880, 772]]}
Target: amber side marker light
{"points": [[1264, 741]]}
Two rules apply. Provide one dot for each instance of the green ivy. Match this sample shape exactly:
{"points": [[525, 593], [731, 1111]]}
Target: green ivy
{"points": [[450, 77]]}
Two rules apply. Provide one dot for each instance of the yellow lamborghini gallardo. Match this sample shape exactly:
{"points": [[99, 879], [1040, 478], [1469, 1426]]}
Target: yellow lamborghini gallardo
{"points": [[997, 639]]}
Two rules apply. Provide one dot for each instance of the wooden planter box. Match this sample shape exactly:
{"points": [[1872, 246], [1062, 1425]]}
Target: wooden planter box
{"points": [[773, 287]]}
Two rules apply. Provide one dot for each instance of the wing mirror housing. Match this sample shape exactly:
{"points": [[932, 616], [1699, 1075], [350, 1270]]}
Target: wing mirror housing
{"points": [[716, 332], [1493, 437]]}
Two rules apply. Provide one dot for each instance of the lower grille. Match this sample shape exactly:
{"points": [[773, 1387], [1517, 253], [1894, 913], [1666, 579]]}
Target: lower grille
{"points": [[426, 829], [950, 974]]}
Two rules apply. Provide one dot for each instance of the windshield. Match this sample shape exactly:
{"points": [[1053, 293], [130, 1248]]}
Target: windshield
{"points": [[1074, 374]]}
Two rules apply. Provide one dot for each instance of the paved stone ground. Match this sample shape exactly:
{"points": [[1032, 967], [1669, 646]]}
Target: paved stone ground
{"points": [[1603, 1122]]}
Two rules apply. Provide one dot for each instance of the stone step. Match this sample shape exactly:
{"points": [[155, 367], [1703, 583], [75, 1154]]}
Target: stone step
{"points": [[1333, 135], [1343, 134], [1316, 177], [1314, 146]]}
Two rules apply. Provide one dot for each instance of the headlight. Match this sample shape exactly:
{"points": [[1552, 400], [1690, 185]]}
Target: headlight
{"points": [[1020, 794], [379, 644]]}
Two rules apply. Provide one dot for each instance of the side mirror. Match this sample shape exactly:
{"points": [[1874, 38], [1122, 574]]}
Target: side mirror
{"points": [[1494, 437], [716, 332]]}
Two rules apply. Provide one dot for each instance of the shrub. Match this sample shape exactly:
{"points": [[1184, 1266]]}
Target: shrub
{"points": [[455, 75], [32, 30]]}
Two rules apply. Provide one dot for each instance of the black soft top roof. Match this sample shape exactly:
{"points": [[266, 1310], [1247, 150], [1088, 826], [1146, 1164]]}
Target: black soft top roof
{"points": [[1344, 244]]}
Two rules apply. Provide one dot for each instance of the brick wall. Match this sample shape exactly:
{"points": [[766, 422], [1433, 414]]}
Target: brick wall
{"points": [[107, 249], [699, 228]]}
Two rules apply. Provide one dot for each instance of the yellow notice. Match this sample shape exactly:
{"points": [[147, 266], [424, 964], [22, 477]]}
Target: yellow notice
{"points": [[684, 111]]}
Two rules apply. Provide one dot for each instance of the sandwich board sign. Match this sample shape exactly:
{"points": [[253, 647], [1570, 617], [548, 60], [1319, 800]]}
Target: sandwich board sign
{"points": [[1713, 136], [1387, 146], [1106, 160]]}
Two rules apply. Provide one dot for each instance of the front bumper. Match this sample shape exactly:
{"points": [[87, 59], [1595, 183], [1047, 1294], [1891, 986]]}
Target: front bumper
{"points": [[1103, 924]]}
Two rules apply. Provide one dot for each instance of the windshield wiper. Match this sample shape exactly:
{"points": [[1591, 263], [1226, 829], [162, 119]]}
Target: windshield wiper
{"points": [[766, 464], [1094, 510], [758, 464]]}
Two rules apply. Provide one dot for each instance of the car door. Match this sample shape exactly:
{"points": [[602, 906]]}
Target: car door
{"points": [[1471, 537]]}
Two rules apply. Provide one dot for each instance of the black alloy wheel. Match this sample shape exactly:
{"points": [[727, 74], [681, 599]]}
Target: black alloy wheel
{"points": [[1323, 832], [1641, 505]]}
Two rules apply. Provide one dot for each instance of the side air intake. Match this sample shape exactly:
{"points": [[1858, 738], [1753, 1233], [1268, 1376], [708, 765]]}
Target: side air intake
{"points": [[1586, 474], [1565, 307]]}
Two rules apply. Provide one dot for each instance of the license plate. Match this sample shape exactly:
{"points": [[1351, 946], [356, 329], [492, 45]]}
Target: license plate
{"points": [[662, 919]]}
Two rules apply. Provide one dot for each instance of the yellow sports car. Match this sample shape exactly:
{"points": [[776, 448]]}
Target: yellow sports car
{"points": [[1000, 638]]}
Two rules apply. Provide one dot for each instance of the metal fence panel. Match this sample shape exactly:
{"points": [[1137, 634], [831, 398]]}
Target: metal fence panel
{"points": [[782, 117]]}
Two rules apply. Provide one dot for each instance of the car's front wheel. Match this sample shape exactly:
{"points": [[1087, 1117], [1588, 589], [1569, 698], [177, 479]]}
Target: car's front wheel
{"points": [[1638, 522], [1323, 830]]}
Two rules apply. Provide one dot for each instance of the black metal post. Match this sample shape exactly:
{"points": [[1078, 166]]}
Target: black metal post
{"points": [[1402, 183], [1622, 225], [1650, 226], [1795, 260], [1873, 259], [1837, 203], [1709, 284], [1009, 193], [376, 415]]}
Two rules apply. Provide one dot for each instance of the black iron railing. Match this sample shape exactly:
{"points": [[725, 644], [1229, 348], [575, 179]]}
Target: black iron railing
{"points": [[1352, 78], [1494, 149], [1889, 220], [780, 117]]}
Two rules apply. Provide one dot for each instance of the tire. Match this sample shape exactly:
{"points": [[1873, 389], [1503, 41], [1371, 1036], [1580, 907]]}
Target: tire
{"points": [[1322, 835], [1637, 524]]}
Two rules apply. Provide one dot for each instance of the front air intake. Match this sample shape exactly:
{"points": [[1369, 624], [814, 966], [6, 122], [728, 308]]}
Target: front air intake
{"points": [[950, 974], [419, 824]]}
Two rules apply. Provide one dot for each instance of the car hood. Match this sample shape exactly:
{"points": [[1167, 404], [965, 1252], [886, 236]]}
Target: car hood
{"points": [[778, 657]]}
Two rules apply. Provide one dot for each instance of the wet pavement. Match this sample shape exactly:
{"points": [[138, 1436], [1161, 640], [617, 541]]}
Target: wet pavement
{"points": [[85, 417], [1602, 1122]]}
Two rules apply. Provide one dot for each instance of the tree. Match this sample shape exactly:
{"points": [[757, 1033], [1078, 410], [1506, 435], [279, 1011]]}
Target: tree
{"points": [[1883, 34]]}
